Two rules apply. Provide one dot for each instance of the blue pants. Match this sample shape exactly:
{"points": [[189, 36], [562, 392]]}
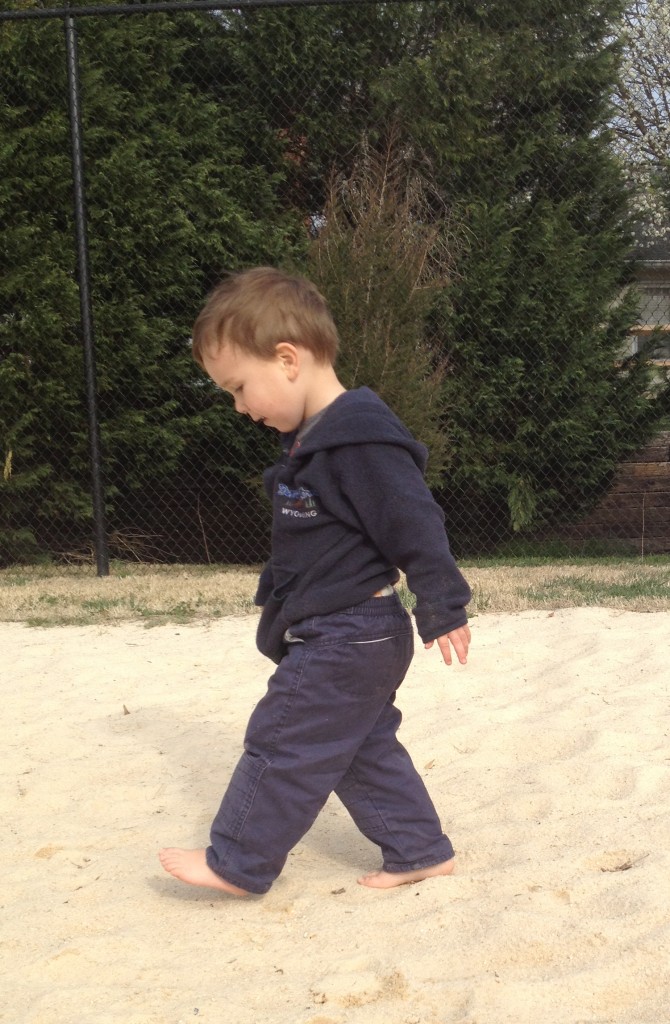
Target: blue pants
{"points": [[328, 724]]}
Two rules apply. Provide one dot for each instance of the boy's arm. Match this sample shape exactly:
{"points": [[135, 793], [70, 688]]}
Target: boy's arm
{"points": [[265, 585], [403, 520], [266, 580]]}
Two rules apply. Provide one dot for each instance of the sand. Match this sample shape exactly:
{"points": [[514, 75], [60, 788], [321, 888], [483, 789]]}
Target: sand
{"points": [[548, 757]]}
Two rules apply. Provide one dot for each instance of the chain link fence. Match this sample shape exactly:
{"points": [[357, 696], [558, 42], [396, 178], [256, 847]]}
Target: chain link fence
{"points": [[454, 177]]}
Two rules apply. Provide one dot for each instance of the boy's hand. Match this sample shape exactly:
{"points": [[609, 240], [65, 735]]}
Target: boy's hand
{"points": [[459, 639]]}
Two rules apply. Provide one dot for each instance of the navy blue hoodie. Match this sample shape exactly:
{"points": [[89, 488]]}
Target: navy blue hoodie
{"points": [[350, 508]]}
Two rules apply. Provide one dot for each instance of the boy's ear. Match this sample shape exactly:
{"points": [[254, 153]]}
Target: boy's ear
{"points": [[289, 357]]}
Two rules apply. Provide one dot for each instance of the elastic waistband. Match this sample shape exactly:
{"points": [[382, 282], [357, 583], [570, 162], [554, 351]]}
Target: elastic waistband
{"points": [[376, 605]]}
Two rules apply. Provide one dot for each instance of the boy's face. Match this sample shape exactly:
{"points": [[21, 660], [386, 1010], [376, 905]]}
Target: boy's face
{"points": [[267, 390]]}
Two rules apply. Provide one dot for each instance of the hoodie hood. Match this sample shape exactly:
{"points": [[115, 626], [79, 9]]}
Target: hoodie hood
{"points": [[356, 417]]}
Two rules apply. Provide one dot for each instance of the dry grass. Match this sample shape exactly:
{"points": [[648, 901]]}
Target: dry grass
{"points": [[627, 585], [157, 594], [153, 594]]}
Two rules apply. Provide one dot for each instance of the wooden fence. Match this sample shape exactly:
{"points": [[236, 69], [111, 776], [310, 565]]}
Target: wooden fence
{"points": [[636, 509]]}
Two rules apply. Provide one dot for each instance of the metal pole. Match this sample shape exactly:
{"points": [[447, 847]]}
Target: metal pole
{"points": [[100, 531]]}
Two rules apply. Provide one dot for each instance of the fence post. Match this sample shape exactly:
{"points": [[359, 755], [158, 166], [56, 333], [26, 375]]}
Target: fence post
{"points": [[100, 530]]}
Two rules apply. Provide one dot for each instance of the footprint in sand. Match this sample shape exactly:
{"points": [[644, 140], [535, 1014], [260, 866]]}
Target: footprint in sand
{"points": [[612, 782], [356, 983]]}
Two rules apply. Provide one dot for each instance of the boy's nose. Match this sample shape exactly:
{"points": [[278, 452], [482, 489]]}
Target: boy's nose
{"points": [[240, 406]]}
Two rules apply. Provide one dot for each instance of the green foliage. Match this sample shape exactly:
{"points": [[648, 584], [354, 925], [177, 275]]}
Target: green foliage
{"points": [[308, 80], [509, 105], [174, 197], [212, 140]]}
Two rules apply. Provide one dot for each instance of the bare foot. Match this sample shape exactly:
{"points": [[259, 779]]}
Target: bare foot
{"points": [[389, 879], [191, 866]]}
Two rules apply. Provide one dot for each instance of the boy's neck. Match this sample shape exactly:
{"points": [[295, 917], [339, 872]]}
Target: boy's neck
{"points": [[323, 390]]}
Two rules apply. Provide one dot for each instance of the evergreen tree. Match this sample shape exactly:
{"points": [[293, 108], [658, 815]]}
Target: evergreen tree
{"points": [[506, 106], [175, 197], [209, 143], [309, 78], [511, 107]]}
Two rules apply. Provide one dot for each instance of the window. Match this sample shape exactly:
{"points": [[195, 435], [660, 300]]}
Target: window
{"points": [[654, 313]]}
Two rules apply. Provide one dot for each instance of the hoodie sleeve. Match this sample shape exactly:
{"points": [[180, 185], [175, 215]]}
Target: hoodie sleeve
{"points": [[265, 585], [398, 513]]}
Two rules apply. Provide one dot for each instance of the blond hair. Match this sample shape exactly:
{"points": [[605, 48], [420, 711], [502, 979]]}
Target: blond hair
{"points": [[255, 310]]}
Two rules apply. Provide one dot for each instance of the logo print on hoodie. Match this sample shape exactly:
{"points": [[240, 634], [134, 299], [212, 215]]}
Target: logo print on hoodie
{"points": [[297, 502]]}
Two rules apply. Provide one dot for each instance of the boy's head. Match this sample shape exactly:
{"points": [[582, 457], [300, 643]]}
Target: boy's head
{"points": [[255, 310]]}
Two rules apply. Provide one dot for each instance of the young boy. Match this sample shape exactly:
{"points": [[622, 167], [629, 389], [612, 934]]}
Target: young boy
{"points": [[350, 507]]}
